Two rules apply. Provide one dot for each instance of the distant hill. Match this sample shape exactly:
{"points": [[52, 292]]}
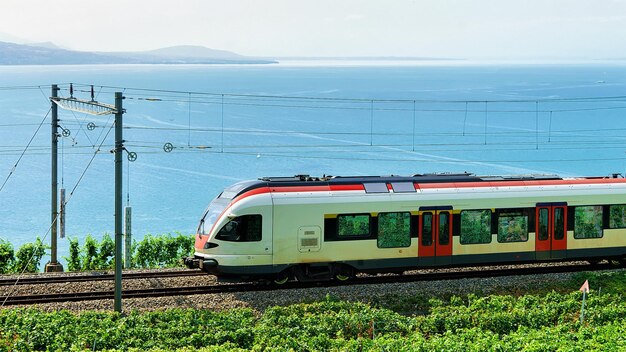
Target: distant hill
{"points": [[182, 51], [50, 54]]}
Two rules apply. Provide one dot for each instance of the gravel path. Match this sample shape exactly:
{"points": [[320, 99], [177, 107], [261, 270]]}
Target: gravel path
{"points": [[262, 299]]}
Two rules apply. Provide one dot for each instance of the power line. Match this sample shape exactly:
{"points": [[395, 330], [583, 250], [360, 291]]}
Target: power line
{"points": [[69, 198], [458, 134], [308, 156], [24, 151], [365, 100], [408, 109]]}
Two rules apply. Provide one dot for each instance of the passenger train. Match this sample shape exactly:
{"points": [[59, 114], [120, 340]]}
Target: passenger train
{"points": [[319, 228]]}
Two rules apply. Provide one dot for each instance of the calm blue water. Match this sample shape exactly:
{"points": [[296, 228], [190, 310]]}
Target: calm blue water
{"points": [[399, 120]]}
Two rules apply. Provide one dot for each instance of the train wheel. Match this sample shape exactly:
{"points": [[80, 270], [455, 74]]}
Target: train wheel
{"points": [[282, 277], [281, 280], [343, 273]]}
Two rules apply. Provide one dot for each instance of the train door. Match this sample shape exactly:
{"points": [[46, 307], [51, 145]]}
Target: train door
{"points": [[435, 237], [551, 231]]}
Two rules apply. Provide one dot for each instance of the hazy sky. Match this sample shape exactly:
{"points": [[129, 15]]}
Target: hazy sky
{"points": [[436, 28]]}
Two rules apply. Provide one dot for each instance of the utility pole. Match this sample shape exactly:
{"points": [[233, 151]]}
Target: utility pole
{"points": [[119, 149], [93, 107], [54, 265]]}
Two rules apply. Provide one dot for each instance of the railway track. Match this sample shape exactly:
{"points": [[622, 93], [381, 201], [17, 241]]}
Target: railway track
{"points": [[249, 287], [30, 280]]}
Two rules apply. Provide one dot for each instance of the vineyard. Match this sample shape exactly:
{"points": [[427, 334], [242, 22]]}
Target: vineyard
{"points": [[543, 320], [153, 251]]}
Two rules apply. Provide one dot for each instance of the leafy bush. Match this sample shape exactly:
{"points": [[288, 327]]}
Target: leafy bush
{"points": [[89, 254], [28, 257], [151, 252], [7, 256], [106, 254], [73, 262], [162, 250]]}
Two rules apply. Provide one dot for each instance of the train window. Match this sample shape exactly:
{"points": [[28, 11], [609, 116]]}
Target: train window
{"points": [[357, 225], [427, 229], [475, 226], [394, 230], [245, 228], [444, 228], [559, 223], [512, 227], [617, 218], [376, 188], [543, 224], [588, 221]]}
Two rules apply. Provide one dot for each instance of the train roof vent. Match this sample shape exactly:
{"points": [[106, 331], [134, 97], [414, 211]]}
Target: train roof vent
{"points": [[529, 177], [358, 177], [289, 179], [465, 173]]}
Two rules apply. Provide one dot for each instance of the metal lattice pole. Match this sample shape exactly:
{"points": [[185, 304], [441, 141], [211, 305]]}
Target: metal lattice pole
{"points": [[54, 265], [119, 149]]}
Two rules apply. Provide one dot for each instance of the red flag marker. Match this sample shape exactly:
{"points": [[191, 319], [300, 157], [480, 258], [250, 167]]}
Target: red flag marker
{"points": [[585, 286]]}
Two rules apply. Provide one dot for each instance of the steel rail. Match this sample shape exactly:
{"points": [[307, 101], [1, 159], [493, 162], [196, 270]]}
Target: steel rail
{"points": [[32, 280], [252, 287]]}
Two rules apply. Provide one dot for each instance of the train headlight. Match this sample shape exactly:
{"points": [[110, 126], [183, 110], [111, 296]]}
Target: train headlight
{"points": [[209, 245]]}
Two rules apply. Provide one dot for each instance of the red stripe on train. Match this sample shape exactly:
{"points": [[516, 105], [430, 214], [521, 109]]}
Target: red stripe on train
{"points": [[519, 183]]}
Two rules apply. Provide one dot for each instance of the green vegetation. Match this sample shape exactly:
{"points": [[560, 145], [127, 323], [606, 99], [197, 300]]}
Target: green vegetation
{"points": [[394, 230], [160, 251], [513, 227], [617, 219], [26, 259], [151, 252], [541, 321], [475, 226], [353, 225], [588, 222]]}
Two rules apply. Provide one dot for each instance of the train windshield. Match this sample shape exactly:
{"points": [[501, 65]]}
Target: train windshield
{"points": [[211, 213], [218, 205]]}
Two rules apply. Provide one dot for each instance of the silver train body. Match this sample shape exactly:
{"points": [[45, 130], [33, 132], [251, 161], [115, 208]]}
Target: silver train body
{"points": [[308, 228]]}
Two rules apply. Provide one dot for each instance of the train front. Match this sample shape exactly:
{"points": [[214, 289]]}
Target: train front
{"points": [[233, 239]]}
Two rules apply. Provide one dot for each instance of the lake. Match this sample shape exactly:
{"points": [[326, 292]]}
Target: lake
{"points": [[231, 123]]}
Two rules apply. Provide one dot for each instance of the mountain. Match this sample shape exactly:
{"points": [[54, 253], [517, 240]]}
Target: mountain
{"points": [[49, 45], [6, 37], [50, 54], [19, 54], [189, 54], [195, 52]]}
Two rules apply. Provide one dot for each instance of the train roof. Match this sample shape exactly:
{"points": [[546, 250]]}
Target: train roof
{"points": [[417, 178], [434, 178]]}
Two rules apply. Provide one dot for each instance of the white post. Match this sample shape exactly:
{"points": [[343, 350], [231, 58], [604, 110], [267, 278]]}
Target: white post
{"points": [[62, 214], [582, 309], [128, 234]]}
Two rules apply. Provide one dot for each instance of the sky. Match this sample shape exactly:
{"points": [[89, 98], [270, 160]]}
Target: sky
{"points": [[481, 29]]}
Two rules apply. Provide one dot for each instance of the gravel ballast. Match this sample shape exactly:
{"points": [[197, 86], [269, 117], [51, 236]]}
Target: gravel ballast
{"points": [[259, 300]]}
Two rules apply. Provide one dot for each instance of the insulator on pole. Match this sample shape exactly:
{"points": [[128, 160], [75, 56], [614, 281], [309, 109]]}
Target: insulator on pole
{"points": [[62, 214], [128, 235], [71, 90], [92, 94]]}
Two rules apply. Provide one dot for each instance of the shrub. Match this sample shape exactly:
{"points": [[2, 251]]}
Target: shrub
{"points": [[73, 262], [28, 257], [7, 256]]}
